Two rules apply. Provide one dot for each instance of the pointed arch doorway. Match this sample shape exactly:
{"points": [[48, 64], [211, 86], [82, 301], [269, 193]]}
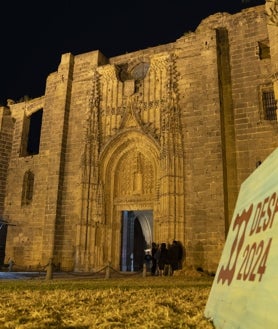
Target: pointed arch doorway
{"points": [[130, 175], [136, 238]]}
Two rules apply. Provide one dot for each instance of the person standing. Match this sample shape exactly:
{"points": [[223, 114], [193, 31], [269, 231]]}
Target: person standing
{"points": [[154, 260], [148, 261], [173, 255], [163, 259]]}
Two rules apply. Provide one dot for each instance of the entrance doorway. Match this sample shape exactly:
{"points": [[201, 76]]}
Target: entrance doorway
{"points": [[137, 232]]}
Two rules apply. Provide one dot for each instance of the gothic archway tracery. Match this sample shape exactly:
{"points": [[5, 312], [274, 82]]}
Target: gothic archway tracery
{"points": [[130, 175]]}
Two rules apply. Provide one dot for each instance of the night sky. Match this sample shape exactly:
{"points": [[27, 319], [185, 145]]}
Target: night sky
{"points": [[34, 34]]}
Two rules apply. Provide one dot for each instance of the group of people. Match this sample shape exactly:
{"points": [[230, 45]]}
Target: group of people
{"points": [[163, 259]]}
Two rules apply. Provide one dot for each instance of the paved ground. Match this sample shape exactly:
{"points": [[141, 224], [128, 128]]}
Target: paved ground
{"points": [[19, 275], [5, 275]]}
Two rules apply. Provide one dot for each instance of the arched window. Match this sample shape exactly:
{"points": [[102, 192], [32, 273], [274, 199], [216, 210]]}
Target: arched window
{"points": [[27, 188]]}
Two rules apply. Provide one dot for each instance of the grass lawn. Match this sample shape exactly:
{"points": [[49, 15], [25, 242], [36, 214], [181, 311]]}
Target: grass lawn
{"points": [[121, 302]]}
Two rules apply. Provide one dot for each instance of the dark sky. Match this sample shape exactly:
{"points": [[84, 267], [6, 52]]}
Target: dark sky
{"points": [[34, 34]]}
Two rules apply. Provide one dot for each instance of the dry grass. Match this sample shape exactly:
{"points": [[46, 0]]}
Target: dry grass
{"points": [[123, 302]]}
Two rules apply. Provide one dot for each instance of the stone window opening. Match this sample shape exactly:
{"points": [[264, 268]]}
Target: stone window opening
{"points": [[137, 73], [140, 71], [269, 105], [27, 188], [31, 133], [263, 49]]}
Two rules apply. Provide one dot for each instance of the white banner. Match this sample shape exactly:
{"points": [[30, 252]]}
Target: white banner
{"points": [[244, 294]]}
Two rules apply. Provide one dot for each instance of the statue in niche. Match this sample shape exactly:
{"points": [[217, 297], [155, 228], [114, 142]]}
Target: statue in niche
{"points": [[137, 183], [138, 176]]}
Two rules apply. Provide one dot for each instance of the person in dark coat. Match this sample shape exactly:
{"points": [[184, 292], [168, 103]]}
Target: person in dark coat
{"points": [[162, 259], [154, 260], [174, 255]]}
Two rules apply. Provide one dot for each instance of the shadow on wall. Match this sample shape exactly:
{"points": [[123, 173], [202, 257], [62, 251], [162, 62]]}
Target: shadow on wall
{"points": [[198, 256]]}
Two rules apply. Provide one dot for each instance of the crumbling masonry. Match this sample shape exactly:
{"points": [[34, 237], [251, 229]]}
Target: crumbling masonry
{"points": [[147, 146]]}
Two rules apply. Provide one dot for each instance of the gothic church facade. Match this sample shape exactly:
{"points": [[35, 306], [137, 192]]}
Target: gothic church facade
{"points": [[146, 146]]}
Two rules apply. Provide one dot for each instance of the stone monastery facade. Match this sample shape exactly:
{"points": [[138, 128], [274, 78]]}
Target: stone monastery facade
{"points": [[146, 146]]}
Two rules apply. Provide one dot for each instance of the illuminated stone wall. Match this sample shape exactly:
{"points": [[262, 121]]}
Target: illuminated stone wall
{"points": [[173, 129]]}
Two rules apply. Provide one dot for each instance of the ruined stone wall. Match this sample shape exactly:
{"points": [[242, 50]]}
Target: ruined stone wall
{"points": [[196, 59], [6, 139], [72, 236], [246, 136], [232, 98], [174, 129], [255, 136], [272, 26], [24, 241]]}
